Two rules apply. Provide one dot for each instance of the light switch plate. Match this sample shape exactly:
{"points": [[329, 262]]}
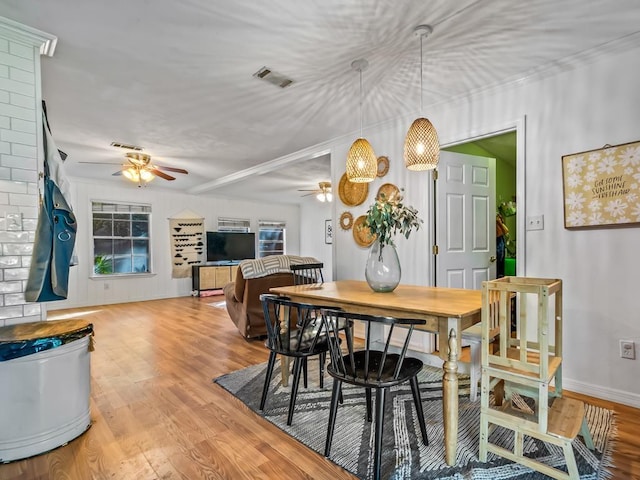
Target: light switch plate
{"points": [[627, 349], [535, 222]]}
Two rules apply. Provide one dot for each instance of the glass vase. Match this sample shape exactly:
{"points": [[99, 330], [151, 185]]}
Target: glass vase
{"points": [[383, 267]]}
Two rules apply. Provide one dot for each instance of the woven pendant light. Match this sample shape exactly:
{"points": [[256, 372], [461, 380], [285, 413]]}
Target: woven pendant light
{"points": [[421, 145], [362, 163]]}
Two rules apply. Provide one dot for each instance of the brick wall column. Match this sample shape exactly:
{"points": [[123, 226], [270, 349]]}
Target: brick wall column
{"points": [[20, 161]]}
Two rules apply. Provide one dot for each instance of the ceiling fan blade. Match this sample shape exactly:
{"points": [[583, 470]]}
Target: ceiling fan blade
{"points": [[102, 163], [316, 190], [171, 169], [117, 174], [308, 194], [160, 174]]}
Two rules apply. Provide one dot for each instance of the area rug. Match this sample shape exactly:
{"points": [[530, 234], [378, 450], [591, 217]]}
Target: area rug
{"points": [[404, 454]]}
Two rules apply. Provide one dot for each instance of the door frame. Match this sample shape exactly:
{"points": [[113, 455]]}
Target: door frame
{"points": [[519, 126]]}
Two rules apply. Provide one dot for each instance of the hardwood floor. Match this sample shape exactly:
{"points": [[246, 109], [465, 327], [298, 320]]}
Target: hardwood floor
{"points": [[157, 414]]}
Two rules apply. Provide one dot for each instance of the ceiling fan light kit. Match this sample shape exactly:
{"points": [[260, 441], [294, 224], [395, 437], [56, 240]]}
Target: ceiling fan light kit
{"points": [[362, 163], [138, 174], [323, 192], [421, 145]]}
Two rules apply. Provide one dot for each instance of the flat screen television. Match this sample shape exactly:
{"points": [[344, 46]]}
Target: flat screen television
{"points": [[230, 246]]}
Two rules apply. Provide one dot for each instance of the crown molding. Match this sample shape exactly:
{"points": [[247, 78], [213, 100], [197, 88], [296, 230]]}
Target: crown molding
{"points": [[24, 34]]}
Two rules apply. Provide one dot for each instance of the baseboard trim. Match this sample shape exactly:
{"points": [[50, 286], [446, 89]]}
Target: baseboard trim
{"points": [[611, 394]]}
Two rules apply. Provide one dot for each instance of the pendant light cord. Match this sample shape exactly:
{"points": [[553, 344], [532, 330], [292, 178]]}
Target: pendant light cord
{"points": [[421, 94], [360, 102]]}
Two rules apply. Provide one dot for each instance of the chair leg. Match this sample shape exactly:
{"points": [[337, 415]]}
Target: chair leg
{"points": [[298, 363], [484, 437], [415, 390], [367, 392], [518, 443], [267, 379], [304, 370], [484, 421], [337, 388], [474, 370], [572, 467], [586, 434], [323, 358], [377, 454]]}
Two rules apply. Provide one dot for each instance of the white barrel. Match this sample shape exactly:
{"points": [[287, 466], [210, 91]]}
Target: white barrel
{"points": [[44, 399]]}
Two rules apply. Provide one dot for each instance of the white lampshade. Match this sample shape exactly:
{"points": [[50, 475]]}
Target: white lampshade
{"points": [[138, 175], [131, 174], [146, 175], [362, 164]]}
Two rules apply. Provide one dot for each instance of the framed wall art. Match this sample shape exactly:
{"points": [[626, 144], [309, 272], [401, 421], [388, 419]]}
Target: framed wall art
{"points": [[601, 188], [328, 231]]}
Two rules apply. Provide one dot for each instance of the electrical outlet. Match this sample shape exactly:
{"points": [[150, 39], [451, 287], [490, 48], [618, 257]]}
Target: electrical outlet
{"points": [[535, 222], [627, 349], [106, 285]]}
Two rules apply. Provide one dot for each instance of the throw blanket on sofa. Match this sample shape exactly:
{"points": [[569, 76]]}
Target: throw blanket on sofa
{"points": [[264, 266]]}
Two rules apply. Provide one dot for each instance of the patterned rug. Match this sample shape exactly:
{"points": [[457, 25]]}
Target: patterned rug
{"points": [[404, 454]]}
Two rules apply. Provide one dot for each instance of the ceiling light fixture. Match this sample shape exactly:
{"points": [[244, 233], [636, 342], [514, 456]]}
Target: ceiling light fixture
{"points": [[421, 146], [325, 195], [362, 164], [138, 174]]}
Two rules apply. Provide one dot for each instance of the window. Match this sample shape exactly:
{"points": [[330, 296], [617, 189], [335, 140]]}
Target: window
{"points": [[233, 225], [121, 236], [271, 238]]}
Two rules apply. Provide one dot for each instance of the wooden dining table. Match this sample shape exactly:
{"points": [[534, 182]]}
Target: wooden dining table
{"points": [[447, 311]]}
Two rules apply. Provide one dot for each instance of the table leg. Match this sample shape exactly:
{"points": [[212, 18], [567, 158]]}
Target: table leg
{"points": [[450, 400]]}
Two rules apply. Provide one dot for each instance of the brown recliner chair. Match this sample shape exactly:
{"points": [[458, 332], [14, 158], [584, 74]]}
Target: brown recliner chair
{"points": [[243, 301]]}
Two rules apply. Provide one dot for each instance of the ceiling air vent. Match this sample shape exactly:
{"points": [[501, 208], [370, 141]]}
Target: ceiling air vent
{"points": [[126, 146], [275, 78]]}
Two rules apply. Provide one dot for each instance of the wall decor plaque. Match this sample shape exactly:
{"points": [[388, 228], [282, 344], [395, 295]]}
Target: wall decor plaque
{"points": [[361, 233], [350, 193], [346, 220], [390, 191], [383, 166], [601, 188]]}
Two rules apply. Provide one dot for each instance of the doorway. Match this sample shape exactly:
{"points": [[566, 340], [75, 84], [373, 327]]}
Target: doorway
{"points": [[503, 147]]}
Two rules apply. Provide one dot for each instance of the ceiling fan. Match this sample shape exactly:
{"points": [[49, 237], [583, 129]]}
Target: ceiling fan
{"points": [[140, 169], [323, 193]]}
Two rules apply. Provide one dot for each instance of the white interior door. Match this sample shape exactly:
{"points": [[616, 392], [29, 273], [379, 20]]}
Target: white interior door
{"points": [[465, 226]]}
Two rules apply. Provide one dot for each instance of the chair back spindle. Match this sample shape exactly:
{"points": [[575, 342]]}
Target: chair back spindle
{"points": [[307, 273]]}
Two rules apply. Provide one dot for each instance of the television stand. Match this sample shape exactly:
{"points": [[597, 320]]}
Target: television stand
{"points": [[212, 276]]}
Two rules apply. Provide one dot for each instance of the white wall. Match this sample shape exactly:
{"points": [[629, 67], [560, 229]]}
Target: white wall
{"points": [[85, 291], [579, 109], [312, 217]]}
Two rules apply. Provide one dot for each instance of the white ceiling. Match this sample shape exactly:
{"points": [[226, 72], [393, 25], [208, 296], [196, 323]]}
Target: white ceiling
{"points": [[176, 77]]}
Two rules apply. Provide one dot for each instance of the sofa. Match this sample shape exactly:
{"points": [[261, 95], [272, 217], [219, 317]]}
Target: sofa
{"points": [[253, 278]]}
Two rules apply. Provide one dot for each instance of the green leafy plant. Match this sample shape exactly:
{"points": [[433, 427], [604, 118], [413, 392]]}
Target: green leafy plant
{"points": [[389, 216], [102, 264]]}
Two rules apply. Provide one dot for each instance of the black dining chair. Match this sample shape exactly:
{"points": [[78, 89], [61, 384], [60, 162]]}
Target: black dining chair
{"points": [[294, 330], [307, 273], [376, 366]]}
